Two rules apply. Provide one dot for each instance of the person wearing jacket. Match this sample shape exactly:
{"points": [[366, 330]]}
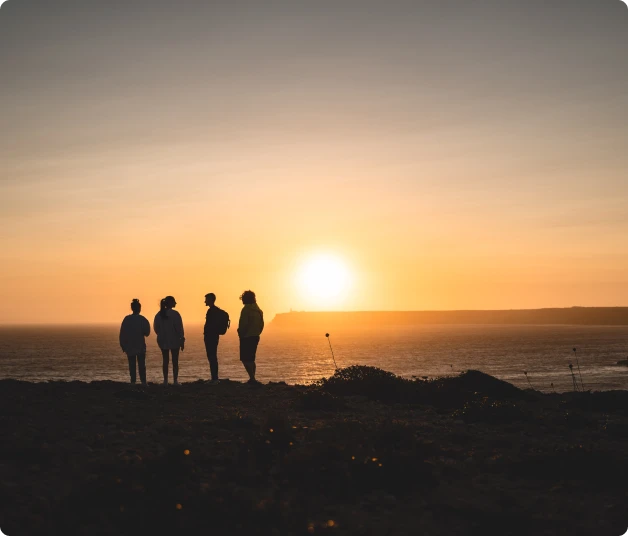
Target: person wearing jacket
{"points": [[250, 328], [168, 326], [133, 332]]}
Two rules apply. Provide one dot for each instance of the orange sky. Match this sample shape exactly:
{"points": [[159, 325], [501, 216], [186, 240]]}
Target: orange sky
{"points": [[468, 158]]}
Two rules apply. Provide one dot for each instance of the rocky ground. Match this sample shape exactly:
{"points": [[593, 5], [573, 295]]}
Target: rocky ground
{"points": [[364, 452]]}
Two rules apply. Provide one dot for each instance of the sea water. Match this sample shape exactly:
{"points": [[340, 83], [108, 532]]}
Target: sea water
{"points": [[89, 353]]}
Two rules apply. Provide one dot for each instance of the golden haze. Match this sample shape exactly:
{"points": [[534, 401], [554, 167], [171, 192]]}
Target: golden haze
{"points": [[82, 258], [468, 158]]}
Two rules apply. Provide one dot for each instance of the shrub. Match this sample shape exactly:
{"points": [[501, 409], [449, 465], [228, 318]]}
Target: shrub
{"points": [[372, 382]]}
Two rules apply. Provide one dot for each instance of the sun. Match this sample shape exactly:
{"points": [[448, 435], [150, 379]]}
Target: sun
{"points": [[324, 280]]}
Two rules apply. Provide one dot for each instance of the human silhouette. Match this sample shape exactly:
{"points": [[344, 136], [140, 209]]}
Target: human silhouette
{"points": [[168, 326], [133, 332], [216, 324], [250, 328]]}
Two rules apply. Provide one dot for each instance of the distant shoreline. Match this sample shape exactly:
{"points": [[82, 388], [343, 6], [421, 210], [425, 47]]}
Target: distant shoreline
{"points": [[600, 316], [568, 316]]}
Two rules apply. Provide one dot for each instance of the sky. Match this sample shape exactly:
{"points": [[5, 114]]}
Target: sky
{"points": [[448, 154]]}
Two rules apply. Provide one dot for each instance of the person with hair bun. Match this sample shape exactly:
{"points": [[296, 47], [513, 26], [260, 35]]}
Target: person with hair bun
{"points": [[133, 332], [250, 328], [168, 326]]}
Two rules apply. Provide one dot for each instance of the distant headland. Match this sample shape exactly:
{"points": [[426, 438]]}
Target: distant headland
{"points": [[592, 316]]}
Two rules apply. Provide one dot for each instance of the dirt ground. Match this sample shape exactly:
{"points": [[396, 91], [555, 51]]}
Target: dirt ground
{"points": [[466, 455]]}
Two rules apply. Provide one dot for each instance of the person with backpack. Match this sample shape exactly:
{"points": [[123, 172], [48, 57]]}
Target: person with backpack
{"points": [[133, 332], [168, 326], [250, 328], [216, 324]]}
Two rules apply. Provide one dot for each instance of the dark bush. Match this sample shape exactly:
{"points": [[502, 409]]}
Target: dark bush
{"points": [[479, 383], [446, 393], [372, 382]]}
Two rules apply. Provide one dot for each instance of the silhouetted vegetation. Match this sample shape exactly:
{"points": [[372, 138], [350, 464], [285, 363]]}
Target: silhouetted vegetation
{"points": [[372, 382], [377, 384]]}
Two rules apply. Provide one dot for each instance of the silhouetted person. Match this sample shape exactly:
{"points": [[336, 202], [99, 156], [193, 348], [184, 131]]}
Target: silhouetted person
{"points": [[133, 332], [216, 324], [168, 326], [250, 328]]}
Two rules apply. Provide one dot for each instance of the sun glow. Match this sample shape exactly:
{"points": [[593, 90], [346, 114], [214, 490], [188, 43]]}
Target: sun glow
{"points": [[324, 280]]}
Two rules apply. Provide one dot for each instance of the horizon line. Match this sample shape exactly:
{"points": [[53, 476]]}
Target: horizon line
{"points": [[200, 322]]}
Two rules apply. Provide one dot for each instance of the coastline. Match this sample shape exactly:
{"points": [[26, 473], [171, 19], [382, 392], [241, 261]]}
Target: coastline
{"points": [[368, 453], [567, 316]]}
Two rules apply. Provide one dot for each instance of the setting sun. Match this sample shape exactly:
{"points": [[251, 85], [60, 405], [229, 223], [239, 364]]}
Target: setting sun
{"points": [[324, 280]]}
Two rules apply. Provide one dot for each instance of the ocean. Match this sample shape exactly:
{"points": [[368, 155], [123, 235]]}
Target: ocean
{"points": [[90, 353]]}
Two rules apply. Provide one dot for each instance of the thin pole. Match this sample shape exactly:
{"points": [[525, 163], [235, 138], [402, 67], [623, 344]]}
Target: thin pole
{"points": [[332, 350], [576, 354]]}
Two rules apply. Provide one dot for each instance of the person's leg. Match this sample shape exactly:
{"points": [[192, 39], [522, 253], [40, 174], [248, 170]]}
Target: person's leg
{"points": [[248, 346], [175, 365], [244, 357], [211, 347], [131, 359], [141, 361], [252, 351], [249, 366], [166, 356], [253, 348]]}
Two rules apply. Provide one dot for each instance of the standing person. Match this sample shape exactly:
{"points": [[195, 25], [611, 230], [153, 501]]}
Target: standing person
{"points": [[216, 324], [168, 326], [133, 332], [250, 328]]}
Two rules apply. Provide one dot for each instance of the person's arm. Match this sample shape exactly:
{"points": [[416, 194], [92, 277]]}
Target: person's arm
{"points": [[146, 328], [243, 323], [122, 335], [180, 330], [157, 324], [261, 313]]}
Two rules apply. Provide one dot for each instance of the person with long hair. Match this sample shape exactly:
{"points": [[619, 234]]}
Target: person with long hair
{"points": [[168, 326], [250, 328], [133, 332]]}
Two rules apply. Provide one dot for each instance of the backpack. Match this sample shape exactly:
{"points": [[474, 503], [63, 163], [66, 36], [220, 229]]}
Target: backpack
{"points": [[222, 321]]}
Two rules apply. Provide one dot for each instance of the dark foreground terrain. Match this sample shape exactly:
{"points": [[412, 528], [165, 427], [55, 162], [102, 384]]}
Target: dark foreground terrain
{"points": [[362, 453]]}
